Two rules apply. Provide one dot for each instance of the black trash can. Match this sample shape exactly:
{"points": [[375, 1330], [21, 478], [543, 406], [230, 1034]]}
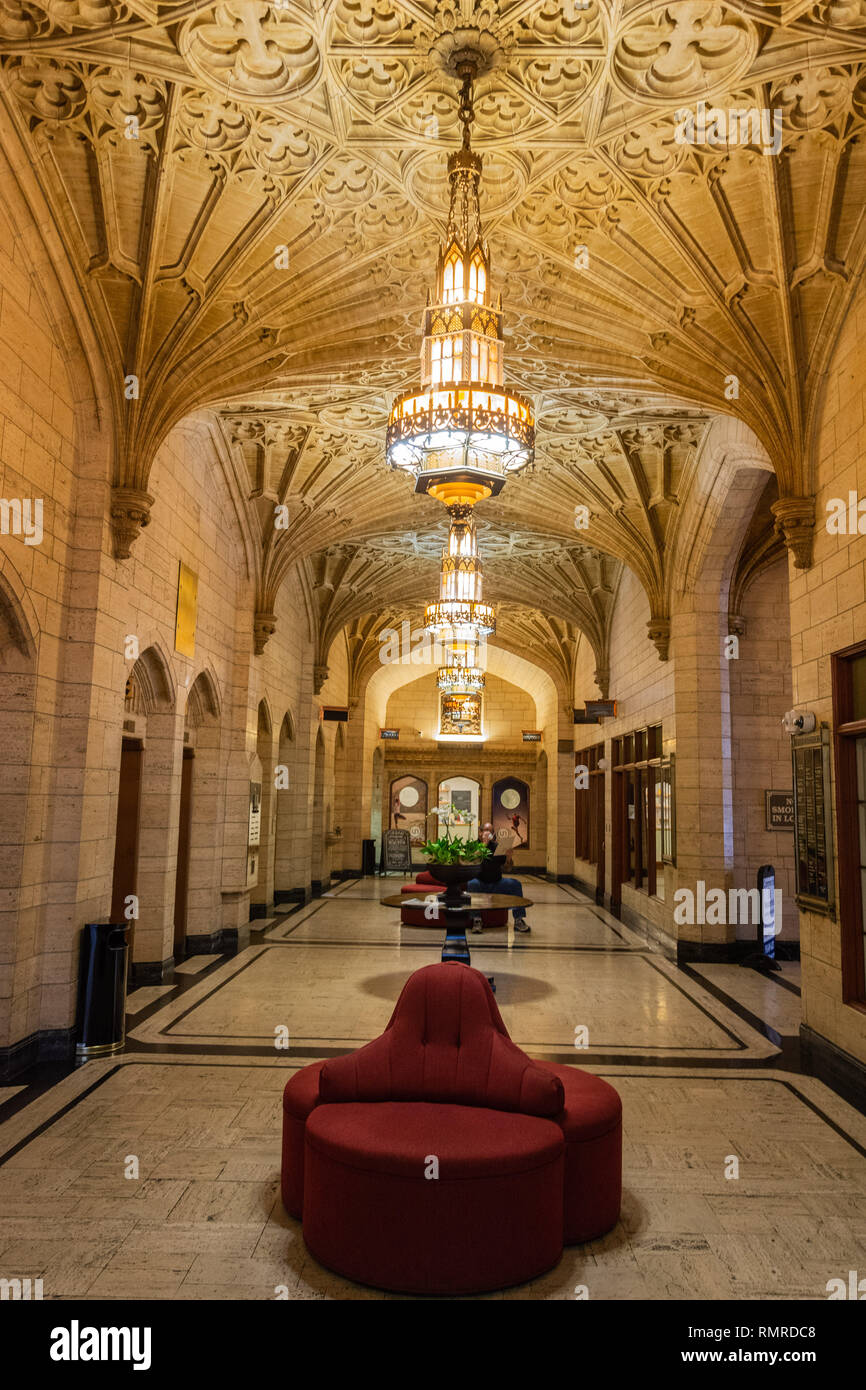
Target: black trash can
{"points": [[368, 856], [102, 989]]}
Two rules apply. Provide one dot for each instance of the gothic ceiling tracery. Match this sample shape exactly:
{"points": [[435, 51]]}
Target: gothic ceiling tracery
{"points": [[250, 194]]}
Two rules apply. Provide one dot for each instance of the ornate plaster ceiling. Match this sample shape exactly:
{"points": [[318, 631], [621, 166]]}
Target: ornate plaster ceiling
{"points": [[250, 195]]}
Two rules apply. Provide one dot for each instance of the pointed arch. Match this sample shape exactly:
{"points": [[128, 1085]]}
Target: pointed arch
{"points": [[153, 679], [203, 705], [19, 623], [265, 717]]}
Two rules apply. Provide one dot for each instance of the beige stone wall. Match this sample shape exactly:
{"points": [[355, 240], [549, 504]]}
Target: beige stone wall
{"points": [[760, 692], [828, 613], [37, 465], [507, 711], [69, 618]]}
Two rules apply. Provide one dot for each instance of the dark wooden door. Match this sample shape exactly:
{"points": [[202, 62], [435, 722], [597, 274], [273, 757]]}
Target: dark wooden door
{"points": [[181, 881], [598, 811], [126, 833]]}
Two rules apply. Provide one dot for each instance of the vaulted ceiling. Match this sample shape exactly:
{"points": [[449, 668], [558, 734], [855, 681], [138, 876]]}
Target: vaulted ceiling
{"points": [[251, 195]]}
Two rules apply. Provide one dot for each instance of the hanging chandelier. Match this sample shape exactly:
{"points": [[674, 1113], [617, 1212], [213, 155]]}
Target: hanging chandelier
{"points": [[462, 433], [459, 617]]}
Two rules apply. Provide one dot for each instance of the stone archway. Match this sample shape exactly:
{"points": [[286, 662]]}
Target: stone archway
{"points": [[145, 858], [200, 821]]}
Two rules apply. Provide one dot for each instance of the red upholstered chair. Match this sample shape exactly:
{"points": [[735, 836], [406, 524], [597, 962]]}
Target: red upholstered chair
{"points": [[415, 916], [527, 1155]]}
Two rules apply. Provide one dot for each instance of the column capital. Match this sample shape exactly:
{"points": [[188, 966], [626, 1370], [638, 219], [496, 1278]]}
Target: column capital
{"points": [[130, 513], [795, 523], [264, 626], [659, 633]]}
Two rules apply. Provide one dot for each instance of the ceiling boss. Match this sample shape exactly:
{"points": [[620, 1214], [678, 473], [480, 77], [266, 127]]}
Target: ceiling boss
{"points": [[462, 432]]}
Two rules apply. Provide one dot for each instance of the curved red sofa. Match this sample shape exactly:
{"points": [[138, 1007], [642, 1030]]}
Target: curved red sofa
{"points": [[527, 1155], [415, 916]]}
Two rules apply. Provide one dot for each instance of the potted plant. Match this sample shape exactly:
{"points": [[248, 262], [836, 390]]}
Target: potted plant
{"points": [[452, 860]]}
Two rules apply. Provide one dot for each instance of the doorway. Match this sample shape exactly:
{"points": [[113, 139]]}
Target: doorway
{"points": [[125, 875], [181, 880]]}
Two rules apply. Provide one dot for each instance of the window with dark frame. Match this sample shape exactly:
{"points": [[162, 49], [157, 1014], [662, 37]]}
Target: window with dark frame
{"points": [[643, 808], [586, 819], [848, 669]]}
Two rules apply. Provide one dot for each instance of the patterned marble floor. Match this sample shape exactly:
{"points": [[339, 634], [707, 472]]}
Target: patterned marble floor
{"points": [[155, 1174]]}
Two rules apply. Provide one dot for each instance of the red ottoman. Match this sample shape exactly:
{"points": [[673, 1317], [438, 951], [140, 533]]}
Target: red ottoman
{"points": [[592, 1125], [300, 1097], [492, 1218]]}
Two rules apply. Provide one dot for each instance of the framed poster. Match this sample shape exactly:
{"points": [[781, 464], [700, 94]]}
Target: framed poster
{"points": [[396, 852], [409, 807], [460, 714], [511, 814], [813, 824]]}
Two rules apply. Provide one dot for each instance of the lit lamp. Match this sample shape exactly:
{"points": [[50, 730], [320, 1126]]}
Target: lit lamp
{"points": [[462, 433], [459, 617]]}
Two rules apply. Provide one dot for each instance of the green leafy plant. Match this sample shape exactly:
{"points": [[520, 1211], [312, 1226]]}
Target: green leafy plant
{"points": [[450, 849]]}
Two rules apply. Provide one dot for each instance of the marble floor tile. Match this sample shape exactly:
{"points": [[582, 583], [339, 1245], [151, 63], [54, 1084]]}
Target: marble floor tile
{"points": [[203, 1220]]}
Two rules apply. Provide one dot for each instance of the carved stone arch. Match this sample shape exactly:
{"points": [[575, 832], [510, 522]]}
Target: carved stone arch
{"points": [[94, 390], [19, 623], [728, 447], [152, 679], [203, 705], [265, 717]]}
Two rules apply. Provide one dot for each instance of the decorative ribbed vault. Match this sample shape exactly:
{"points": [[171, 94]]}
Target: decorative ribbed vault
{"points": [[250, 195]]}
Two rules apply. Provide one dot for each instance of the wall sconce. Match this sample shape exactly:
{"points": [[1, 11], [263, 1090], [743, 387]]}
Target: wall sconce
{"points": [[603, 764]]}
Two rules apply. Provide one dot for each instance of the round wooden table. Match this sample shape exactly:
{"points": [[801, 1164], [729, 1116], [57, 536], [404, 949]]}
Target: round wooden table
{"points": [[456, 919]]}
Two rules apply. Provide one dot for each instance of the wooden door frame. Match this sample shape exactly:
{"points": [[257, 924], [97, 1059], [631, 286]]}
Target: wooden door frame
{"points": [[846, 733], [184, 826]]}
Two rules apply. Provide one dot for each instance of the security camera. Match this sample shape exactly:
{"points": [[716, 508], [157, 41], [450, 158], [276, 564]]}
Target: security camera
{"points": [[796, 723]]}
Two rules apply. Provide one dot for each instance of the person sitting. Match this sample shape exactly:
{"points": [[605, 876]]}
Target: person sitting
{"points": [[490, 880]]}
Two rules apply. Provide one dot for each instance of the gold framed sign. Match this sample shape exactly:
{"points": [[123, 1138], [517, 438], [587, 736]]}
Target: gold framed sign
{"points": [[187, 607]]}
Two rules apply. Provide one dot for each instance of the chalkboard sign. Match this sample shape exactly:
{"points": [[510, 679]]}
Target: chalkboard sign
{"points": [[396, 852], [813, 826]]}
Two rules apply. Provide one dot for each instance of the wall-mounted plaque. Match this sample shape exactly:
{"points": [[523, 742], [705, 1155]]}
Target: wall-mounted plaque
{"points": [[531, 735], [396, 852], [187, 606], [779, 810], [813, 824], [460, 714], [389, 733]]}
